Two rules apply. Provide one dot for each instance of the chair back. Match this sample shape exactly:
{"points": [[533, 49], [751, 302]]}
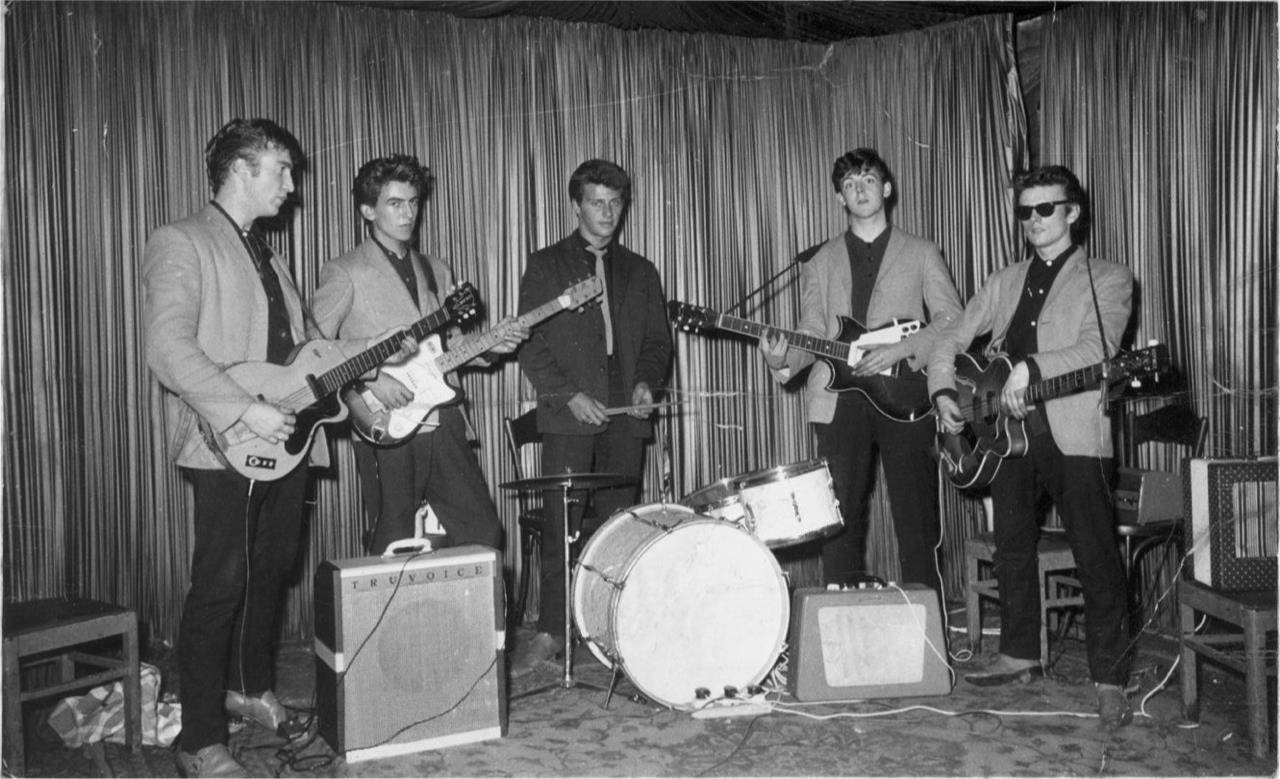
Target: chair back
{"points": [[1173, 424], [519, 432]]}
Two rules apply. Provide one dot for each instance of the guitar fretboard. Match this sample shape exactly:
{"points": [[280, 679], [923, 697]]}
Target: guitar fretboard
{"points": [[455, 358], [797, 340], [335, 379], [1065, 384]]}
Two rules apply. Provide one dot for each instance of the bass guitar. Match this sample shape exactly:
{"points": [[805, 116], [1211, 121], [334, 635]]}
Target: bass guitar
{"points": [[308, 386], [972, 457], [424, 373], [900, 394]]}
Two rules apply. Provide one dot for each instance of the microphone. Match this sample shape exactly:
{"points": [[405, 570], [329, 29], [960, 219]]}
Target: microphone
{"points": [[800, 259]]}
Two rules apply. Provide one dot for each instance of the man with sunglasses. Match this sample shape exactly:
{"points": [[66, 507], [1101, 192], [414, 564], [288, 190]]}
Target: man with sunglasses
{"points": [[1050, 315], [872, 272]]}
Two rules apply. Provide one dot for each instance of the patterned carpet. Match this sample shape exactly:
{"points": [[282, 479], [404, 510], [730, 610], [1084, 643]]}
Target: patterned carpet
{"points": [[569, 732]]}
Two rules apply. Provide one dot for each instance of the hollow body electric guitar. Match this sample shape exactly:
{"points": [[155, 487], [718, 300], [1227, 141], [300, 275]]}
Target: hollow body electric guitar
{"points": [[901, 394], [973, 456], [308, 386], [424, 373]]}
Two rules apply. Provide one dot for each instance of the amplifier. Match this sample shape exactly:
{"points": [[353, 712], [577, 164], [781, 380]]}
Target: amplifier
{"points": [[1147, 496], [409, 652], [1231, 515], [867, 643]]}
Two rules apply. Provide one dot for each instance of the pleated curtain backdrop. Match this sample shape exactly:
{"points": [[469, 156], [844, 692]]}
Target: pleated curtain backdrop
{"points": [[729, 142]]}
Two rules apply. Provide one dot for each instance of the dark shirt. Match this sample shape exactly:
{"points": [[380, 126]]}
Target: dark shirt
{"points": [[1020, 341], [279, 334], [404, 269], [864, 265]]}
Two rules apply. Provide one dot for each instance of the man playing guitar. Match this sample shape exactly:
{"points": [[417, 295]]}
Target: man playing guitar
{"points": [[872, 273], [384, 282]]}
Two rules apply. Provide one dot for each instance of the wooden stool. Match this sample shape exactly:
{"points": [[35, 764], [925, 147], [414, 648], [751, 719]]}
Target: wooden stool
{"points": [[1055, 559], [1254, 613], [48, 631]]}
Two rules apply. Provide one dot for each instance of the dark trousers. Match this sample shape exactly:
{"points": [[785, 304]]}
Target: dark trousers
{"points": [[438, 467], [850, 443], [1079, 488], [245, 547], [616, 450]]}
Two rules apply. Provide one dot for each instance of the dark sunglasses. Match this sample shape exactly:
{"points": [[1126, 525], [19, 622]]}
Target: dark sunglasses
{"points": [[1044, 209]]}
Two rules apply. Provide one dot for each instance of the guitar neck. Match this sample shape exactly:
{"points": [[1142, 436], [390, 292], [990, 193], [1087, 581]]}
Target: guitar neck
{"points": [[1066, 384], [456, 358], [335, 379], [809, 343]]}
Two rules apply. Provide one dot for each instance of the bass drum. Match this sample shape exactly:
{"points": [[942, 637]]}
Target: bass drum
{"points": [[680, 602]]}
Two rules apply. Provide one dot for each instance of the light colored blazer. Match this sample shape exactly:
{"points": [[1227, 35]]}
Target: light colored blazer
{"points": [[360, 295], [1067, 339], [913, 283], [204, 309]]}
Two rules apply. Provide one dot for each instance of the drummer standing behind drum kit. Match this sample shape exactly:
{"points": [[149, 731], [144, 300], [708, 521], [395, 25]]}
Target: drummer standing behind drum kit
{"points": [[872, 273], [608, 356]]}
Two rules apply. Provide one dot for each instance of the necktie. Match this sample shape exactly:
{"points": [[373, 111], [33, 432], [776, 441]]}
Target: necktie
{"points": [[604, 299]]}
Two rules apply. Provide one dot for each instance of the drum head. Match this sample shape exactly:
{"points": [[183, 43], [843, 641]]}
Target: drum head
{"points": [[704, 606], [770, 475]]}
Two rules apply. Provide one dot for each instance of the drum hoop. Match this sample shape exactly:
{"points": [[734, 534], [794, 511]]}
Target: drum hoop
{"points": [[728, 486], [780, 473]]}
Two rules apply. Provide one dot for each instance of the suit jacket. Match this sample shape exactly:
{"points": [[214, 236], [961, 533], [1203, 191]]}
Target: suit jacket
{"points": [[913, 283], [204, 310], [1066, 335], [360, 295], [565, 354]]}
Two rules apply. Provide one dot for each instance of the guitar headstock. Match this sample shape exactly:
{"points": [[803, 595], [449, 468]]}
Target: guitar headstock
{"points": [[581, 293], [1144, 362], [463, 304], [691, 318]]}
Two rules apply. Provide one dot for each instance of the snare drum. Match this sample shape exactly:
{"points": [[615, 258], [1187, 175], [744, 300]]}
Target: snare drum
{"points": [[790, 504], [680, 602], [720, 500]]}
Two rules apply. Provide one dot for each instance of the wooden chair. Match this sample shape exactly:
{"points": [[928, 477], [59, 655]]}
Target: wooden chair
{"points": [[58, 633], [520, 432], [1237, 640]]}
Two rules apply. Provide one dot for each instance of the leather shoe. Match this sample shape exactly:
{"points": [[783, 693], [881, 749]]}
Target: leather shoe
{"points": [[213, 760], [1113, 706], [532, 653], [267, 711], [1006, 670]]}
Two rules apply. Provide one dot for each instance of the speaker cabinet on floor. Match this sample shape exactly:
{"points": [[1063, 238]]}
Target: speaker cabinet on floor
{"points": [[409, 652], [867, 643]]}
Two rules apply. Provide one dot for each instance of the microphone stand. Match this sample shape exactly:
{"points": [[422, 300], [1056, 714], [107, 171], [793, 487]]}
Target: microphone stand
{"points": [[800, 258]]}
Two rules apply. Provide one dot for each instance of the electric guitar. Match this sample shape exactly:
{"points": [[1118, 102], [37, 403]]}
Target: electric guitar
{"points": [[972, 457], [307, 386], [424, 373], [900, 394]]}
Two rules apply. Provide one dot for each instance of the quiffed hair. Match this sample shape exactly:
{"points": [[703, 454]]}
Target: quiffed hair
{"points": [[863, 160], [376, 173], [1058, 175], [600, 172], [247, 139]]}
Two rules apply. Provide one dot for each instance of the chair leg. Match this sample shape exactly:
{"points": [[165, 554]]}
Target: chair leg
{"points": [[14, 753], [1190, 666], [1044, 617], [132, 689], [973, 606], [1255, 681]]}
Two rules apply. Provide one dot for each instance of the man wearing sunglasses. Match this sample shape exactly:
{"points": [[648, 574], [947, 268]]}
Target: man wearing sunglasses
{"points": [[1050, 315]]}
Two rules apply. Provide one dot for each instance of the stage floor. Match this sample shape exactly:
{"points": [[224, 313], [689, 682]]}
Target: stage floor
{"points": [[568, 732]]}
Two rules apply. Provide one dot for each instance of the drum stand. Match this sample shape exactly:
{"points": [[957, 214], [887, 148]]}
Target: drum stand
{"points": [[565, 483]]}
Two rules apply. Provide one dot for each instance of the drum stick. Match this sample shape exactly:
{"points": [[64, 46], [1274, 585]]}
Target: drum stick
{"points": [[641, 407]]}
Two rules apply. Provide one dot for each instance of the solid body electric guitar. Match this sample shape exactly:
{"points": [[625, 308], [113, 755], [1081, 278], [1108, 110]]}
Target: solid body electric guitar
{"points": [[308, 386], [424, 373], [972, 457], [900, 394]]}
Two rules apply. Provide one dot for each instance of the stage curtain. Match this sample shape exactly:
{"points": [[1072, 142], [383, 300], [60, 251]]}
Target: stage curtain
{"points": [[1175, 139], [730, 143]]}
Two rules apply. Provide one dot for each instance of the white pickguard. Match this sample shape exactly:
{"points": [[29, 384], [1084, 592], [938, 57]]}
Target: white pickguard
{"points": [[421, 376]]}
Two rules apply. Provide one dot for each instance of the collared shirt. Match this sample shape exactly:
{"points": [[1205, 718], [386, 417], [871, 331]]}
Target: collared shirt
{"points": [[865, 258], [279, 333], [1020, 341], [404, 268], [589, 262]]}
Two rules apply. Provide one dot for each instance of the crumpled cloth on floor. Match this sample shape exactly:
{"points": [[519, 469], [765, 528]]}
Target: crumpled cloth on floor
{"points": [[99, 714]]}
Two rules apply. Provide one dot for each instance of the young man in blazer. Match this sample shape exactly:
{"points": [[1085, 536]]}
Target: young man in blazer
{"points": [[610, 355], [1051, 315], [872, 272], [383, 283], [215, 295]]}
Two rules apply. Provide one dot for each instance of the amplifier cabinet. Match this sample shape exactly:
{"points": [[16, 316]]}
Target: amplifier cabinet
{"points": [[1232, 530], [409, 652], [1147, 496], [867, 643]]}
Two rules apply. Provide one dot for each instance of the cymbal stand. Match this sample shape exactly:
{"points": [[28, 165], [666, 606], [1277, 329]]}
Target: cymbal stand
{"points": [[567, 681]]}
